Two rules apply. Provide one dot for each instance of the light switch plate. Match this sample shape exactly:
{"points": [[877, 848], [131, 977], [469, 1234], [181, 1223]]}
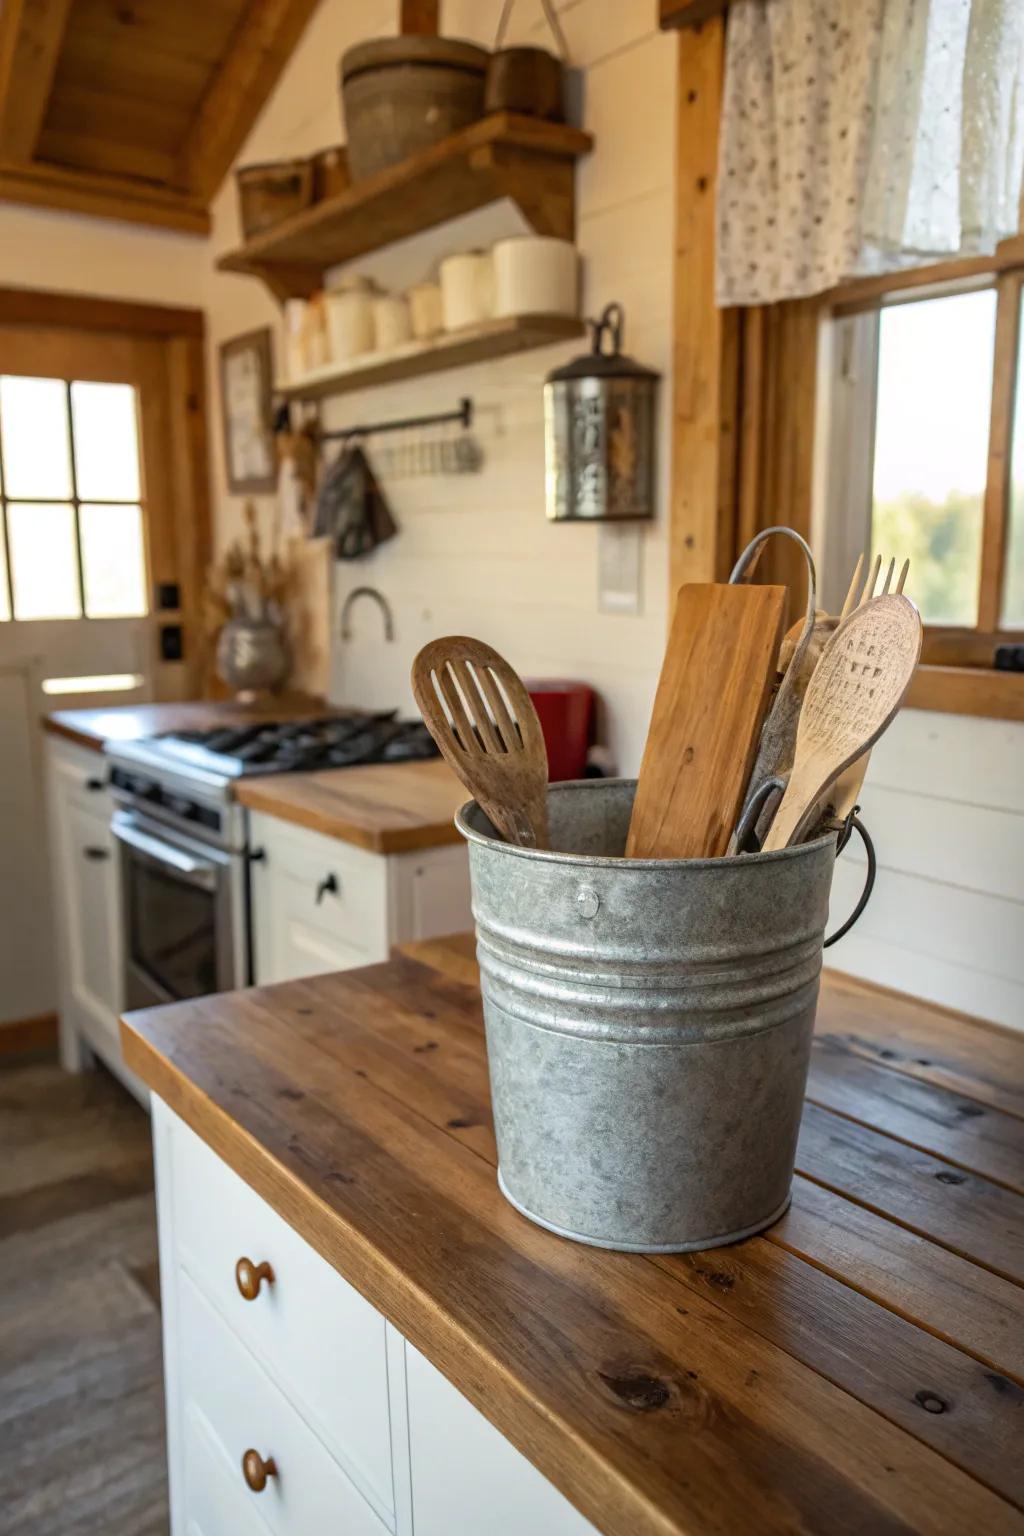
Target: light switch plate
{"points": [[620, 563]]}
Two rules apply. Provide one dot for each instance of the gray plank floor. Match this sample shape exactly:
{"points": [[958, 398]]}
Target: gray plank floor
{"points": [[81, 1387]]}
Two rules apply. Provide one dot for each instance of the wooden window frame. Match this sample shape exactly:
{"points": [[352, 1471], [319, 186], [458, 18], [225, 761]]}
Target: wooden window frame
{"points": [[178, 526], [948, 646], [746, 397]]}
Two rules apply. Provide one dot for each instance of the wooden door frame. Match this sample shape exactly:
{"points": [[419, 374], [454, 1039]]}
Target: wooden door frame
{"points": [[183, 536]]}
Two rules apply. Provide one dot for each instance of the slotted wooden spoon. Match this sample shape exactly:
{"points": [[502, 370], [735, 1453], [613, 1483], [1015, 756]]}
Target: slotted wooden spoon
{"points": [[858, 685], [483, 720]]}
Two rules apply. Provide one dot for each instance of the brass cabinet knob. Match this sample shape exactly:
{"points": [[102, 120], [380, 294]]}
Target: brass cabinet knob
{"points": [[249, 1277], [256, 1471]]}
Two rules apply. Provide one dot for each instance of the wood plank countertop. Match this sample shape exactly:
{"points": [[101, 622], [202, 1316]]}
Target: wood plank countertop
{"points": [[856, 1369], [386, 807], [134, 722]]}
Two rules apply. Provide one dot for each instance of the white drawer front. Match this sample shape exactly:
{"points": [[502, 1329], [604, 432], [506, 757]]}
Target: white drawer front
{"points": [[315, 1335], [468, 1479], [224, 1388], [219, 1504]]}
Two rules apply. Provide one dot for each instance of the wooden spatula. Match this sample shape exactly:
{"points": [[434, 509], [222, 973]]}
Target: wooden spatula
{"points": [[857, 687], [708, 711], [482, 718]]}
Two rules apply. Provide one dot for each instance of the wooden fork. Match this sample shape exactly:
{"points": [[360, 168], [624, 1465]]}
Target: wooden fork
{"points": [[868, 589], [847, 788]]}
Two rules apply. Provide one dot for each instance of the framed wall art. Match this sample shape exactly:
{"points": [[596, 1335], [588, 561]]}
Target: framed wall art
{"points": [[246, 383]]}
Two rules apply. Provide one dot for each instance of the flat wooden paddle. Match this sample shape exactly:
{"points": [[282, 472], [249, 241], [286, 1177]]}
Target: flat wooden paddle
{"points": [[858, 685], [482, 718], [719, 666]]}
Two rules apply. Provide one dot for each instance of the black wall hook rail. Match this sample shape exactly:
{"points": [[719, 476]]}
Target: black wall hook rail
{"points": [[463, 416]]}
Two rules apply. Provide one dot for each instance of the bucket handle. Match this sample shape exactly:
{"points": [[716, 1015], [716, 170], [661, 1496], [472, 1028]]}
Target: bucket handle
{"points": [[852, 823]]}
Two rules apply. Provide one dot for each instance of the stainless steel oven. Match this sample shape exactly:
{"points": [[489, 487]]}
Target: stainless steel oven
{"points": [[181, 845], [183, 903]]}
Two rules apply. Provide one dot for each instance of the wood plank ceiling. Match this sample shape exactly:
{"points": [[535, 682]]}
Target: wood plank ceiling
{"points": [[134, 109]]}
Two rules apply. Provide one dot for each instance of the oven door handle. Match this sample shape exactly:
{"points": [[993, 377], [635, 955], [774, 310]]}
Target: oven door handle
{"points": [[196, 870]]}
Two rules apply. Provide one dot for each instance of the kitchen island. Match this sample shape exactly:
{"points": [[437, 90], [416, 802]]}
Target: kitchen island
{"points": [[857, 1368]]}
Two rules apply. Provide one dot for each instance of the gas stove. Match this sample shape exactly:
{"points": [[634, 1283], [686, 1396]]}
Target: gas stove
{"points": [[184, 779], [209, 761], [184, 839], [334, 741]]}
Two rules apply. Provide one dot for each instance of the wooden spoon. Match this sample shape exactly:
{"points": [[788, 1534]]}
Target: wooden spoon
{"points": [[858, 685], [482, 718]]}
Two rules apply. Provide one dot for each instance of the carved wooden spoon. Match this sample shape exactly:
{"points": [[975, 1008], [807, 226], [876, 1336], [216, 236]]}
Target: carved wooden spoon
{"points": [[482, 718], [858, 685]]}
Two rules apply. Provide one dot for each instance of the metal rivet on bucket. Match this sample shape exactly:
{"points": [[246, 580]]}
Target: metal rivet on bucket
{"points": [[648, 1071]]}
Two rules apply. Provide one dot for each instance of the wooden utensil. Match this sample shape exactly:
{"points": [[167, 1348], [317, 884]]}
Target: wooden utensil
{"points": [[711, 699], [774, 756], [857, 687], [847, 788], [482, 718]]}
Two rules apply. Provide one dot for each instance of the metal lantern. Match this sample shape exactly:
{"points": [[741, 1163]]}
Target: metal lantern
{"points": [[599, 432]]}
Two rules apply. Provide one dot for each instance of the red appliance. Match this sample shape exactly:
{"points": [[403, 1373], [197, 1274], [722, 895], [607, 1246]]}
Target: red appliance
{"points": [[566, 714]]}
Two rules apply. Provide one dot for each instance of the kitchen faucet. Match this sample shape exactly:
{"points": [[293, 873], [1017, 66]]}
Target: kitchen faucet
{"points": [[379, 599]]}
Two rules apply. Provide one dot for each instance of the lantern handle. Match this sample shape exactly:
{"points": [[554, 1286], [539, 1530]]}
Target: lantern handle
{"points": [[613, 318]]}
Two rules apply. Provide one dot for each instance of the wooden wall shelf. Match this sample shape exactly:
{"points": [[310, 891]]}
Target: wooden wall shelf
{"points": [[455, 349], [504, 155]]}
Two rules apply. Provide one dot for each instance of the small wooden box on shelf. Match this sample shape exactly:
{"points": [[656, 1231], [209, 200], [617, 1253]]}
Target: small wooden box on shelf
{"points": [[503, 155]]}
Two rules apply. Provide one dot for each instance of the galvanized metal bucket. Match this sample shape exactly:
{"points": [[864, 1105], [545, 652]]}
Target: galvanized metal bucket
{"points": [[648, 1024]]}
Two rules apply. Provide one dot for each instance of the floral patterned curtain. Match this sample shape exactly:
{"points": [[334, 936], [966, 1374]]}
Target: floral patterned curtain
{"points": [[863, 136]]}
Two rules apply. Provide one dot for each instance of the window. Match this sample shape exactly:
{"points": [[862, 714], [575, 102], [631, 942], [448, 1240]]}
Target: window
{"points": [[70, 501], [926, 457]]}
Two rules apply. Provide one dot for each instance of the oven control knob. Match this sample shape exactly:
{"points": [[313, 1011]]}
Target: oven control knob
{"points": [[186, 809]]}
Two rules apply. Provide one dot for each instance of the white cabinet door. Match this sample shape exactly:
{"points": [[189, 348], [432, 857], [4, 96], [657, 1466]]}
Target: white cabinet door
{"points": [[91, 872], [466, 1477], [321, 904], [318, 904], [87, 899], [430, 893]]}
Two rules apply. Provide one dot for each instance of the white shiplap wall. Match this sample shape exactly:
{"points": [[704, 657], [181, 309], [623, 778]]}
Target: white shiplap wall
{"points": [[944, 802], [475, 553]]}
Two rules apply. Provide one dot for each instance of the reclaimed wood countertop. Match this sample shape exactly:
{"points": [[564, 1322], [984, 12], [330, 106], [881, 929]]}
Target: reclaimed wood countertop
{"points": [[386, 807], [856, 1369]]}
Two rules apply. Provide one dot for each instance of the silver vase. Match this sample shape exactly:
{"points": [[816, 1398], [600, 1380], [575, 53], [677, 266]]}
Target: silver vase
{"points": [[251, 655]]}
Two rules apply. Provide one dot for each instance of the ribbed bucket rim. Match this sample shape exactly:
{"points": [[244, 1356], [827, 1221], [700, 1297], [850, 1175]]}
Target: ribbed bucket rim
{"points": [[617, 861]]}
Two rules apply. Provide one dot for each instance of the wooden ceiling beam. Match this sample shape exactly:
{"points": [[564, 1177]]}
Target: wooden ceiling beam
{"points": [[31, 33], [262, 45], [103, 197]]}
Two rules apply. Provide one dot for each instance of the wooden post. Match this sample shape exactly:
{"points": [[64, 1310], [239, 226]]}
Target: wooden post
{"points": [[706, 338], [420, 16]]}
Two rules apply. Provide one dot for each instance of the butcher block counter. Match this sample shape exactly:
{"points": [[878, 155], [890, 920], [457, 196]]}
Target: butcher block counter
{"points": [[856, 1369], [385, 807]]}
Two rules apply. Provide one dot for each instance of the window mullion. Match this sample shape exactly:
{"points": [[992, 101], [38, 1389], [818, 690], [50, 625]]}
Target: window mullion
{"points": [[997, 483], [6, 537], [74, 498]]}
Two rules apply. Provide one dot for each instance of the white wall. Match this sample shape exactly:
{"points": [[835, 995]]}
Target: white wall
{"points": [[475, 553], [944, 803], [103, 257]]}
